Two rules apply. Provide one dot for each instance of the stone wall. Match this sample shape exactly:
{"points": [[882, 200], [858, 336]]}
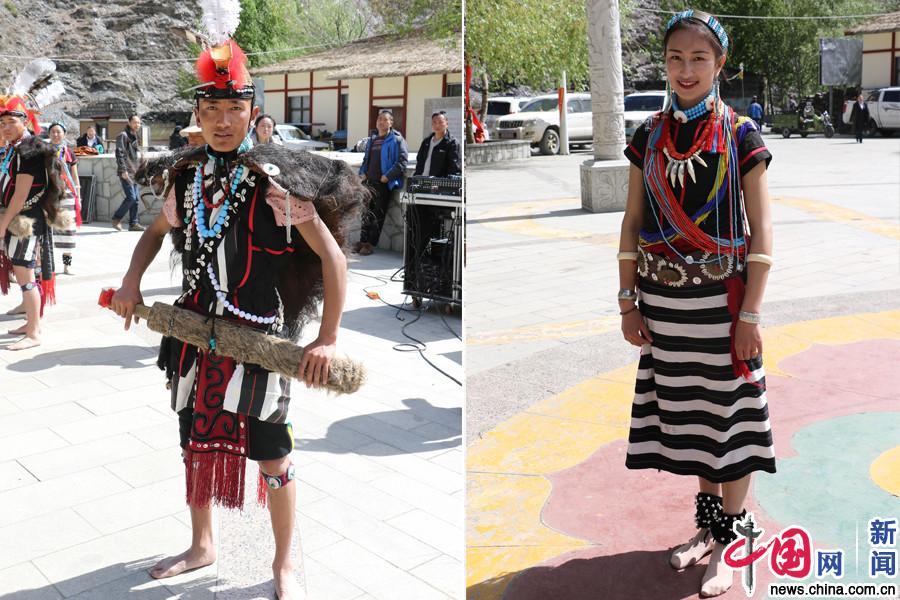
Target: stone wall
{"points": [[491, 152]]}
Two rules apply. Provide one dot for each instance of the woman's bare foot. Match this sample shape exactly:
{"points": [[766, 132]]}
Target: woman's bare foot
{"points": [[718, 577], [286, 586], [188, 560], [22, 330], [19, 310], [25, 343], [691, 552]]}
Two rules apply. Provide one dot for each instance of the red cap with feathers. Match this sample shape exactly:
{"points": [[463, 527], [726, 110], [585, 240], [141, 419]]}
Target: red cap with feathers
{"points": [[222, 71], [15, 106]]}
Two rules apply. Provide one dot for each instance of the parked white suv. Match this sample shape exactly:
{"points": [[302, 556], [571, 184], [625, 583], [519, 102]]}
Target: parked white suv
{"points": [[884, 111], [639, 106], [500, 107], [538, 122]]}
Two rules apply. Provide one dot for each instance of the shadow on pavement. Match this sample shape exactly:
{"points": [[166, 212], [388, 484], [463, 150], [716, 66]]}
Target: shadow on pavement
{"points": [[379, 427], [382, 321], [106, 583], [626, 576], [125, 356], [566, 212]]}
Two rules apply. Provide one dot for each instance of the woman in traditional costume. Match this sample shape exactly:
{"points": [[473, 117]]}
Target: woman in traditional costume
{"points": [[71, 200], [695, 252]]}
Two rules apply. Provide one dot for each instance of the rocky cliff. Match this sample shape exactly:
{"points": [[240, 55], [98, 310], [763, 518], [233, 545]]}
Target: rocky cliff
{"points": [[90, 32]]}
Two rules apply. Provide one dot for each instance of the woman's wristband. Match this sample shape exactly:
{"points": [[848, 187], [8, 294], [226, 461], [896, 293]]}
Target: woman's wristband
{"points": [[749, 317], [630, 310], [760, 258]]}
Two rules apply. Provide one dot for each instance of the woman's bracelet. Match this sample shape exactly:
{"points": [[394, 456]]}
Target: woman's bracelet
{"points": [[760, 258], [749, 317], [627, 294], [630, 310], [627, 256]]}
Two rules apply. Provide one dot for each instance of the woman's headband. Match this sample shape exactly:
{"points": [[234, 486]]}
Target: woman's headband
{"points": [[705, 18]]}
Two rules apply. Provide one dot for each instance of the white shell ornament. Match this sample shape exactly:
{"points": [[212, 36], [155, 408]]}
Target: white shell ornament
{"points": [[680, 116], [271, 170]]}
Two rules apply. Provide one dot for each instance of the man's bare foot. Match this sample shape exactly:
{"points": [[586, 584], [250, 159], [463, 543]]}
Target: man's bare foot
{"points": [[19, 310], [25, 343], [188, 560], [692, 551], [718, 577], [286, 586]]}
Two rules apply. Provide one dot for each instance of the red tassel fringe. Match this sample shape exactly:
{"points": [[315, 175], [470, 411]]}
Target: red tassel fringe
{"points": [[262, 490], [48, 292], [215, 477], [735, 287], [5, 270]]}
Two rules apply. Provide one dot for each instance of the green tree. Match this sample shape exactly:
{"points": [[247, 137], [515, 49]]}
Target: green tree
{"points": [[785, 51], [333, 22], [438, 18], [528, 42], [267, 25]]}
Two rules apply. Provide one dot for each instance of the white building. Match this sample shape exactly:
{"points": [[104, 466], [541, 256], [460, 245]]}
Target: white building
{"points": [[881, 51], [344, 88]]}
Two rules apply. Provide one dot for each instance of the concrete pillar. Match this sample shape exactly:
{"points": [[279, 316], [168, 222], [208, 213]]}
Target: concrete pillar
{"points": [[604, 180]]}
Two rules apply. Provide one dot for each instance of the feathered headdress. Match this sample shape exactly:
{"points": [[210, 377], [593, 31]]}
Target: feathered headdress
{"points": [[32, 90], [222, 66]]}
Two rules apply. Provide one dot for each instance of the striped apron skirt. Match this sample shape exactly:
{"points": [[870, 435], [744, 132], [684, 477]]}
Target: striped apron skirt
{"points": [[692, 415], [65, 238]]}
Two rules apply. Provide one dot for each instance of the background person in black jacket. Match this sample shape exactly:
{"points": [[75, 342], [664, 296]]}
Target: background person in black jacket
{"points": [[859, 117], [126, 165], [91, 140], [439, 153]]}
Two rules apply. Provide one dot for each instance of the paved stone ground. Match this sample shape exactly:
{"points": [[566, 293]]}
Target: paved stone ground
{"points": [[551, 512], [91, 480]]}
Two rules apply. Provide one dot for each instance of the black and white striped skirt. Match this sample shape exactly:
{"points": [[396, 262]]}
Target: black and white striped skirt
{"points": [[65, 238], [691, 414]]}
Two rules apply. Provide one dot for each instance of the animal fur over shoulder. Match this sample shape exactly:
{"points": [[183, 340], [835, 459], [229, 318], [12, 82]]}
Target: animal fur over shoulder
{"points": [[331, 185], [32, 147]]}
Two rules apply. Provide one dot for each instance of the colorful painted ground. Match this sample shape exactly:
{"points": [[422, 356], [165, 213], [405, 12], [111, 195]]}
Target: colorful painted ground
{"points": [[553, 514]]}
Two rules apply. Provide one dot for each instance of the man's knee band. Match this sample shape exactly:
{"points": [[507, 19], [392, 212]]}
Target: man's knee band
{"points": [[278, 481], [28, 286]]}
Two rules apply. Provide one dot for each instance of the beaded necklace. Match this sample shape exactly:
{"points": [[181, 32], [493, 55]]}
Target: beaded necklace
{"points": [[7, 158], [698, 110], [195, 206], [725, 189]]}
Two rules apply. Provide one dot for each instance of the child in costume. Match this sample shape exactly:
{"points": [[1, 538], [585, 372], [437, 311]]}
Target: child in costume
{"points": [[692, 279], [260, 235]]}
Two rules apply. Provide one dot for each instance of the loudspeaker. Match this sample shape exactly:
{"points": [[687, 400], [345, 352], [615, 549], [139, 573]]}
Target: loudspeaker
{"points": [[432, 249]]}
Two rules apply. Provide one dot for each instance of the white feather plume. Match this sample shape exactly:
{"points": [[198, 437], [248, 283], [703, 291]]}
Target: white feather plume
{"points": [[221, 19], [49, 94], [35, 72]]}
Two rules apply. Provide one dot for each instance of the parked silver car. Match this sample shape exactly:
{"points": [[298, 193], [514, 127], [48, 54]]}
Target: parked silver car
{"points": [[294, 137]]}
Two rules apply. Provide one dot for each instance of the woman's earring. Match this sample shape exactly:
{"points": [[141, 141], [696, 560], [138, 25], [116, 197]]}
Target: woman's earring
{"points": [[667, 102]]}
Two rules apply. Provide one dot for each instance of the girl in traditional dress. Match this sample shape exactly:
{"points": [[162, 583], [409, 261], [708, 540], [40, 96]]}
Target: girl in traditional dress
{"points": [[71, 201], [692, 280]]}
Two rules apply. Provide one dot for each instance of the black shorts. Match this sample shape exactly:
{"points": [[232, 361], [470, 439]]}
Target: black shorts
{"points": [[265, 441]]}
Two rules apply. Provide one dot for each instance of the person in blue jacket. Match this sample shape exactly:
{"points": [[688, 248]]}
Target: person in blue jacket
{"points": [[755, 112], [382, 171]]}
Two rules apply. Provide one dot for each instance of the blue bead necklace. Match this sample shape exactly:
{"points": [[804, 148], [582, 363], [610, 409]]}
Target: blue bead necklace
{"points": [[200, 206], [698, 110]]}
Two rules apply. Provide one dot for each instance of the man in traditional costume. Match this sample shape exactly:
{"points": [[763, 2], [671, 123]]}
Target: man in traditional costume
{"points": [[260, 236]]}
